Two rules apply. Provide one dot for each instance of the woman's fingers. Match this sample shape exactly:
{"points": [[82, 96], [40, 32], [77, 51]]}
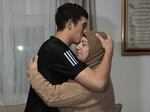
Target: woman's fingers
{"points": [[33, 62]]}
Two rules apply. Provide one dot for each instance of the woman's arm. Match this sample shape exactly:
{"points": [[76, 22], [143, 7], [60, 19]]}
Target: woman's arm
{"points": [[68, 94]]}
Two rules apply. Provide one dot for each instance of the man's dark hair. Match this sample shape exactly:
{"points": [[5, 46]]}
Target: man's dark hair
{"points": [[69, 11]]}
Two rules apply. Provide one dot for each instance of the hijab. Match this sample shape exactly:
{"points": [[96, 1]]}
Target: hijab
{"points": [[96, 52]]}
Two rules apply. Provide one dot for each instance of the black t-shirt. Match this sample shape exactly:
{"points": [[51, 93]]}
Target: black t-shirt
{"points": [[57, 63]]}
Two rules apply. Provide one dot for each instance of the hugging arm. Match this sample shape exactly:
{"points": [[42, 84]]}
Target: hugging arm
{"points": [[97, 79], [72, 94], [68, 94]]}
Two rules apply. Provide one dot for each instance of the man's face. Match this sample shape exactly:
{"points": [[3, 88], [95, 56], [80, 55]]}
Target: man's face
{"points": [[78, 29]]}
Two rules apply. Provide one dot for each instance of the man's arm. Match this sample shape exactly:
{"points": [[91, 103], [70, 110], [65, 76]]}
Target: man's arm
{"points": [[97, 79]]}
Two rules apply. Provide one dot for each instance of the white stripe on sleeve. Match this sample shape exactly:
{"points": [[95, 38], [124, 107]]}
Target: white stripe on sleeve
{"points": [[69, 59], [73, 56]]}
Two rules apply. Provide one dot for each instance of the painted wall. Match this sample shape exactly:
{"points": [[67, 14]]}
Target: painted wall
{"points": [[130, 74]]}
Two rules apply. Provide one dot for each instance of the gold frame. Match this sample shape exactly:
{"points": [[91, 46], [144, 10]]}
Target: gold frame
{"points": [[124, 35]]}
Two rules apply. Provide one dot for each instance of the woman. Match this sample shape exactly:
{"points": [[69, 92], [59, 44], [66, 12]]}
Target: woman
{"points": [[71, 96]]}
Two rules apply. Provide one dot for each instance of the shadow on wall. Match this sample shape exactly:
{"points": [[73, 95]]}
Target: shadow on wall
{"points": [[105, 24], [126, 70], [126, 75]]}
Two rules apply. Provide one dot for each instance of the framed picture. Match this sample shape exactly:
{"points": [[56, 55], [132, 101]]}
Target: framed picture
{"points": [[135, 27]]}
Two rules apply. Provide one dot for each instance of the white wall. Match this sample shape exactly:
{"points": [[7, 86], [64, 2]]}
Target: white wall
{"points": [[130, 74]]}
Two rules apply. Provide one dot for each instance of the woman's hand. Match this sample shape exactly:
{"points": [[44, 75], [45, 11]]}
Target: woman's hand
{"points": [[33, 63]]}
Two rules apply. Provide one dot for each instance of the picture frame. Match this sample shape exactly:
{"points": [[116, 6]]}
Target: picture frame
{"points": [[135, 29]]}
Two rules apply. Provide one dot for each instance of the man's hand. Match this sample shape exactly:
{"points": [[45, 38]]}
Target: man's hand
{"points": [[107, 43]]}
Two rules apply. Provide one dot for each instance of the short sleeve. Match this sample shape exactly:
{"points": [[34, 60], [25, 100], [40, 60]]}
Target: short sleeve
{"points": [[67, 64]]}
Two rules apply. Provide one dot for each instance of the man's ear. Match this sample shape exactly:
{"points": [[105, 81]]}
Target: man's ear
{"points": [[69, 24]]}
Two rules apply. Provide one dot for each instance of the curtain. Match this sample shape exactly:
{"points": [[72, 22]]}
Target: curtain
{"points": [[24, 26]]}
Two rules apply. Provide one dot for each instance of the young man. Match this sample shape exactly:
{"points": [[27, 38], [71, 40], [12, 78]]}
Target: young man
{"points": [[58, 63]]}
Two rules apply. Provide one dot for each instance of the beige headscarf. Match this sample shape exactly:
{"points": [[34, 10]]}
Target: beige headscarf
{"points": [[96, 52]]}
